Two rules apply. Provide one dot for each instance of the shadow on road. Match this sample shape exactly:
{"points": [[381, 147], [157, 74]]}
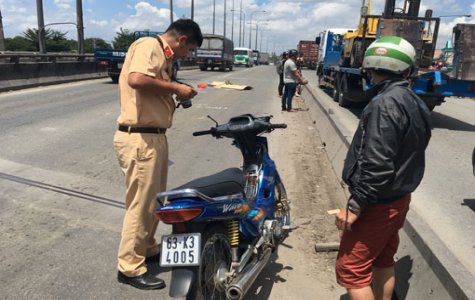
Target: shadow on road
{"points": [[403, 271], [262, 287], [445, 122], [470, 203]]}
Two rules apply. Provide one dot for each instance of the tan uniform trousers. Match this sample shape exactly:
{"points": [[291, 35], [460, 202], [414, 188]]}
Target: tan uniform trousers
{"points": [[144, 161]]}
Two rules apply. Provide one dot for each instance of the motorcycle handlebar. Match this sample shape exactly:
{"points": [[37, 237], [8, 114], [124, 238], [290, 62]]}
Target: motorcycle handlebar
{"points": [[204, 132], [273, 126]]}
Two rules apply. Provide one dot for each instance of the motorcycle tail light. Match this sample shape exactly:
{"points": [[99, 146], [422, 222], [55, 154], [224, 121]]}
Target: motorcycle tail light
{"points": [[178, 215]]}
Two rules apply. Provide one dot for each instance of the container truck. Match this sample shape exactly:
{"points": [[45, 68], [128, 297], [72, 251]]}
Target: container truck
{"points": [[308, 51]]}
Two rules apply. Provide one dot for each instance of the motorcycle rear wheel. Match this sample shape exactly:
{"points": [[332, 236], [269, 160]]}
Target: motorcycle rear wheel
{"points": [[282, 212], [216, 260]]}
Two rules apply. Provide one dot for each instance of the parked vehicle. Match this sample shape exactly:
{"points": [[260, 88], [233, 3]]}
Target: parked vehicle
{"points": [[346, 83], [243, 56], [227, 225], [264, 58], [216, 51], [255, 57], [114, 58], [308, 51]]}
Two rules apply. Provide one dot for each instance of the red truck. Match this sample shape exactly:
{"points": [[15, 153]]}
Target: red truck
{"points": [[308, 54]]}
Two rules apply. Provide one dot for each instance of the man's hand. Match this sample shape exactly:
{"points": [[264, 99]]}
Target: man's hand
{"points": [[344, 219], [304, 82], [185, 92]]}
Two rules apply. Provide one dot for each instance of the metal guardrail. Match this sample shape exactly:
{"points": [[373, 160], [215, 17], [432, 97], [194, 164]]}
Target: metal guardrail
{"points": [[17, 57]]}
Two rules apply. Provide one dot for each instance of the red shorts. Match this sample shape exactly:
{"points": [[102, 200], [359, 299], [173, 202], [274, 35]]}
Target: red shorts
{"points": [[372, 242]]}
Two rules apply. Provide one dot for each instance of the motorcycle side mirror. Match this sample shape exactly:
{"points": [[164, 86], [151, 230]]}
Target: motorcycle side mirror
{"points": [[209, 117]]}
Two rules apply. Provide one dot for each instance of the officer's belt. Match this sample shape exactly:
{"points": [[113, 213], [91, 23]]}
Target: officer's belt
{"points": [[131, 129]]}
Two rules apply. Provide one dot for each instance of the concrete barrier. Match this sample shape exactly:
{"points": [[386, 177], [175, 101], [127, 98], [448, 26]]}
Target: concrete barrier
{"points": [[21, 75], [425, 268]]}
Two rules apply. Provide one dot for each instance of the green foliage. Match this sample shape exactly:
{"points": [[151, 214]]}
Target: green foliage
{"points": [[123, 39], [91, 43], [19, 43]]}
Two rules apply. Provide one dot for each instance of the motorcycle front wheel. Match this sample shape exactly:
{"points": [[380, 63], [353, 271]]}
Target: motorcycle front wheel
{"points": [[210, 277]]}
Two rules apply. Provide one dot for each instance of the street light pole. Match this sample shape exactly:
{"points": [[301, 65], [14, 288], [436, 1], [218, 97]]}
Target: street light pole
{"points": [[80, 26], [2, 35], [192, 9], [232, 23], [240, 23], [446, 16], [250, 26], [224, 25], [41, 25], [214, 12], [171, 11], [241, 28]]}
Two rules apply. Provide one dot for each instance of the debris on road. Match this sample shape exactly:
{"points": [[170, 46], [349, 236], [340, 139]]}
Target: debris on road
{"points": [[228, 85]]}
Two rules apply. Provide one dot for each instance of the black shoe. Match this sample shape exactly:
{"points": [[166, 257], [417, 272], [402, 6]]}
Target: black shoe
{"points": [[284, 109], [153, 258], [143, 282]]}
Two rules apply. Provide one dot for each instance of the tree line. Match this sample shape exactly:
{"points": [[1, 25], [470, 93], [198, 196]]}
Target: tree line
{"points": [[56, 41]]}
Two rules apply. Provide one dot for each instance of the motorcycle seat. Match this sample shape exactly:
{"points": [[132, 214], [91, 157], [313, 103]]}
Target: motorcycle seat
{"points": [[227, 182]]}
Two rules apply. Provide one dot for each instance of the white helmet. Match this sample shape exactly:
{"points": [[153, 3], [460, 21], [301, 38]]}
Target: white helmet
{"points": [[390, 53]]}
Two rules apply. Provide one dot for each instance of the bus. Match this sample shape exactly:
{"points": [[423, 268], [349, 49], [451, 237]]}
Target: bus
{"points": [[243, 56]]}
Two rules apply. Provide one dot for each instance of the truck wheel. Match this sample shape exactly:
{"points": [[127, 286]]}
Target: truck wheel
{"points": [[230, 67], [115, 78], [336, 88], [174, 73], [356, 55], [342, 100], [203, 68]]}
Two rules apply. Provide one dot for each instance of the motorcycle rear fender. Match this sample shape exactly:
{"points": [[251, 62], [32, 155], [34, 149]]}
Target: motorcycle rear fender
{"points": [[181, 281]]}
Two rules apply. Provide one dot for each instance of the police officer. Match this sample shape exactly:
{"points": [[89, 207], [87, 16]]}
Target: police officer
{"points": [[146, 111]]}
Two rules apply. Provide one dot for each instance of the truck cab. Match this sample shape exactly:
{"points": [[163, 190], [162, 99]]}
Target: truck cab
{"points": [[114, 58]]}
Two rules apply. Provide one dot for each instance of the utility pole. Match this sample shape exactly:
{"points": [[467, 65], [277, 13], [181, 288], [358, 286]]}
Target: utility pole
{"points": [[214, 12], [232, 23], [224, 26], [171, 11], [41, 26], [193, 10], [80, 26], [2, 36], [240, 24]]}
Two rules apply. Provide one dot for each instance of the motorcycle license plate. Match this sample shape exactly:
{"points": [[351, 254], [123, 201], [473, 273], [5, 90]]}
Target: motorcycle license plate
{"points": [[181, 250]]}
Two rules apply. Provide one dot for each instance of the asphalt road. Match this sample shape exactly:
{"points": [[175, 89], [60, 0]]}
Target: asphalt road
{"points": [[61, 204]]}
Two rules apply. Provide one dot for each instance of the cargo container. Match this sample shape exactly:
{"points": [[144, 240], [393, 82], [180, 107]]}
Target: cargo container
{"points": [[308, 51]]}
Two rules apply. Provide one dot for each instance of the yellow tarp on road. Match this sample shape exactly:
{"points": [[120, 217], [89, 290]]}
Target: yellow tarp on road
{"points": [[229, 85]]}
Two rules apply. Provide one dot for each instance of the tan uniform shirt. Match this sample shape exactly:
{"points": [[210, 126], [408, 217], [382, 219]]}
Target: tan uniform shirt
{"points": [[146, 108]]}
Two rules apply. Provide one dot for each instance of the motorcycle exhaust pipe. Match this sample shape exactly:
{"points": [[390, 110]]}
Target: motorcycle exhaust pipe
{"points": [[241, 284]]}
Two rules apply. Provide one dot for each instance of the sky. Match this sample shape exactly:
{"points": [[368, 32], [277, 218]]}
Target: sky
{"points": [[280, 24]]}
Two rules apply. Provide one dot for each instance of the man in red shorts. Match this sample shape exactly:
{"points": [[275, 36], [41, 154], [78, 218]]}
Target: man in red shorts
{"points": [[384, 165]]}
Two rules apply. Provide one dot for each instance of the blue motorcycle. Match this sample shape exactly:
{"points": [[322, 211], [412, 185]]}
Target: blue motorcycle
{"points": [[227, 225]]}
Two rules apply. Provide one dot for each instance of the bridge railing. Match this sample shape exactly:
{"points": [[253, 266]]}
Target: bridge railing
{"points": [[17, 57]]}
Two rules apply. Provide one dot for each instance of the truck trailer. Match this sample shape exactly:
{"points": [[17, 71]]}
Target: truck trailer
{"points": [[346, 83], [308, 53], [216, 51]]}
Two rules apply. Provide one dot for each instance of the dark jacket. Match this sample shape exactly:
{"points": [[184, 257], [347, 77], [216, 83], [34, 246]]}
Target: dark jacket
{"points": [[386, 157]]}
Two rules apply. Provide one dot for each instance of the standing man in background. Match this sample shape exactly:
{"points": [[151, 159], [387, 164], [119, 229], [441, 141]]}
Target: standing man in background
{"points": [[146, 111], [384, 165], [292, 77], [280, 72]]}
